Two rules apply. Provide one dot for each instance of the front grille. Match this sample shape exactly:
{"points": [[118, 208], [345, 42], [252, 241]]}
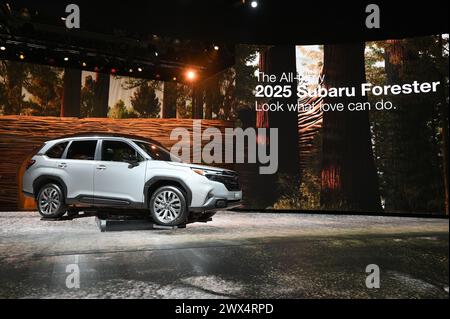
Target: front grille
{"points": [[229, 179]]}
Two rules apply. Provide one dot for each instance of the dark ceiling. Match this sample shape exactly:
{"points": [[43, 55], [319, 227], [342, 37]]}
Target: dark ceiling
{"points": [[273, 21]]}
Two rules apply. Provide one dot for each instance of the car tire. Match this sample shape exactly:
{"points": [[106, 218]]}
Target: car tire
{"points": [[168, 206], [50, 201]]}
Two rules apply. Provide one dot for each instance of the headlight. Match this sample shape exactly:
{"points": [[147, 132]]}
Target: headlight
{"points": [[202, 172], [199, 171]]}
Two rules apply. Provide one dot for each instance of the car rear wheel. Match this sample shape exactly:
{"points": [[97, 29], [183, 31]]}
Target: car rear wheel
{"points": [[168, 206], [50, 201]]}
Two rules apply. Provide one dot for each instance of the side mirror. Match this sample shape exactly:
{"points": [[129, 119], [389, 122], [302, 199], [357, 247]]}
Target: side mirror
{"points": [[133, 160]]}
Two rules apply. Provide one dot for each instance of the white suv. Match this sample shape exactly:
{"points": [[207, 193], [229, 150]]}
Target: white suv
{"points": [[110, 172]]}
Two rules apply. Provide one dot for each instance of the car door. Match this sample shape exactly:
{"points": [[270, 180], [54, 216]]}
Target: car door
{"points": [[77, 170], [118, 181]]}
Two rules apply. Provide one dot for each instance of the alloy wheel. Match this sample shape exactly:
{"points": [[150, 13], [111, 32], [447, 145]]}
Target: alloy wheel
{"points": [[167, 206], [49, 200]]}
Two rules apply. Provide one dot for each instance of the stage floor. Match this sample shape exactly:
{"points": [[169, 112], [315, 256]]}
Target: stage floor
{"points": [[237, 255]]}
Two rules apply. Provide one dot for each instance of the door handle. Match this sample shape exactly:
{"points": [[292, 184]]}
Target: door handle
{"points": [[62, 165], [101, 167]]}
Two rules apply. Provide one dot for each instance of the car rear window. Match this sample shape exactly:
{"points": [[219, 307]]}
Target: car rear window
{"points": [[82, 150], [57, 150]]}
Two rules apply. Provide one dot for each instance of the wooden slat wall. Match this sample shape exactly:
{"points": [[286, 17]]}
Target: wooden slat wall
{"points": [[20, 135]]}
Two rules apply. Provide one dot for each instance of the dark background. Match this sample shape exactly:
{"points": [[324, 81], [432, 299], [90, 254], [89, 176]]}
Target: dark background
{"points": [[273, 22]]}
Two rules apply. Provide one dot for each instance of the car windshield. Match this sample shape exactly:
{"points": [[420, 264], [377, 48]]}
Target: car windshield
{"points": [[156, 152]]}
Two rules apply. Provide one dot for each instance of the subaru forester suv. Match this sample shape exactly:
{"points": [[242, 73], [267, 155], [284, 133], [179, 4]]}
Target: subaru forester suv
{"points": [[111, 172]]}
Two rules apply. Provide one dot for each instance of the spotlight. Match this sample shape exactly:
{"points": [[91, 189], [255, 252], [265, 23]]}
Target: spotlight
{"points": [[191, 75], [21, 56], [66, 59], [216, 47], [140, 69], [130, 70], [113, 71], [174, 78], [2, 48], [84, 64], [254, 4], [156, 53]]}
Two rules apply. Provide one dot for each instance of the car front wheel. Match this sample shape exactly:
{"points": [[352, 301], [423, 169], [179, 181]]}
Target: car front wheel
{"points": [[50, 201], [168, 206]]}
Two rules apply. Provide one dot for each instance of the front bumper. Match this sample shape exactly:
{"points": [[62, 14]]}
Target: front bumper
{"points": [[215, 204]]}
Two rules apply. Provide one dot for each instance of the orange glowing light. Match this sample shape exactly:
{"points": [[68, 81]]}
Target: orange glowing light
{"points": [[191, 75]]}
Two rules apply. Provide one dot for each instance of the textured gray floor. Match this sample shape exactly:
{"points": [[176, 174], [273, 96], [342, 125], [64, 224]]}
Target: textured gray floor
{"points": [[237, 255]]}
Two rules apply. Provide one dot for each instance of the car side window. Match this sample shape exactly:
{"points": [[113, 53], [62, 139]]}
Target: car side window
{"points": [[57, 150], [116, 151], [82, 150]]}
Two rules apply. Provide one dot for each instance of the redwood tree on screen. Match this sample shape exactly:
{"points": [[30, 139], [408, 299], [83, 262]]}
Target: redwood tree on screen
{"points": [[71, 97], [348, 175]]}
